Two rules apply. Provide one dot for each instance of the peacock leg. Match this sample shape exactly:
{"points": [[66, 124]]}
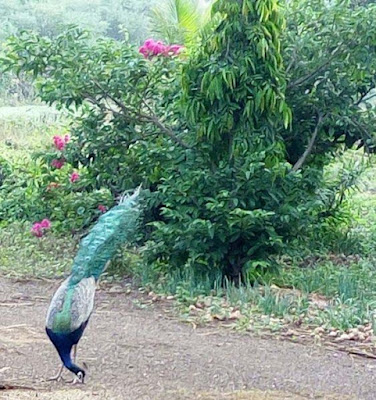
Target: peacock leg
{"points": [[58, 377], [74, 352]]}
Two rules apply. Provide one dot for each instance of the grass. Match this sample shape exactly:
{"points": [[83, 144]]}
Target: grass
{"points": [[27, 129], [23, 255], [333, 297]]}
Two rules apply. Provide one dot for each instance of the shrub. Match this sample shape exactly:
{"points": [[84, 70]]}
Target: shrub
{"points": [[32, 191]]}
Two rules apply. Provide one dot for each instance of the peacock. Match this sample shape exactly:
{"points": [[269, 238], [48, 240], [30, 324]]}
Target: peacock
{"points": [[73, 302]]}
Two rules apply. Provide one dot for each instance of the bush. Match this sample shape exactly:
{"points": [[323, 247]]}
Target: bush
{"points": [[32, 191]]}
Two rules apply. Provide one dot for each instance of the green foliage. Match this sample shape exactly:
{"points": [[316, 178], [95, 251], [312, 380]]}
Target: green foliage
{"points": [[234, 84], [113, 99], [230, 144], [113, 18], [224, 208], [30, 188], [32, 191], [329, 53]]}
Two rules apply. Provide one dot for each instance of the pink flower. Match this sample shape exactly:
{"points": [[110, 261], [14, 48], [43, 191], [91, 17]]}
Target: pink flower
{"points": [[37, 232], [45, 223], [102, 208], [158, 48], [60, 141], [147, 48], [149, 42], [58, 163], [39, 228], [144, 51], [74, 177], [175, 49], [36, 226], [152, 48]]}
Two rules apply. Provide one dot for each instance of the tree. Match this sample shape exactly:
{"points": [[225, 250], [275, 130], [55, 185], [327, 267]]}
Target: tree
{"points": [[329, 53]]}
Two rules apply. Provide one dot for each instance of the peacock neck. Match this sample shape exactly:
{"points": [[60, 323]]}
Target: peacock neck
{"points": [[67, 361]]}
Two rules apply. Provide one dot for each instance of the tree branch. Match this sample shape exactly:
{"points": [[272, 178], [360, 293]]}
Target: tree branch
{"points": [[306, 78], [144, 117], [293, 59], [365, 97], [364, 131], [309, 148], [154, 119]]}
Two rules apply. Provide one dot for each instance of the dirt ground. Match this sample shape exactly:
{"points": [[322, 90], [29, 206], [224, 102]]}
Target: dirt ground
{"points": [[143, 353]]}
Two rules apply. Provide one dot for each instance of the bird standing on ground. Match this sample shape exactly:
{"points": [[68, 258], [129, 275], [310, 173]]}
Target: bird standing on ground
{"points": [[73, 302]]}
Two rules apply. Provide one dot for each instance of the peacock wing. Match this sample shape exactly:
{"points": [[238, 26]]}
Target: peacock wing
{"points": [[82, 302], [71, 305], [56, 304]]}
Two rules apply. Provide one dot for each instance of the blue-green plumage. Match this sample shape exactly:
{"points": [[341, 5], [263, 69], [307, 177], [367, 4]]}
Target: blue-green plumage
{"points": [[73, 302]]}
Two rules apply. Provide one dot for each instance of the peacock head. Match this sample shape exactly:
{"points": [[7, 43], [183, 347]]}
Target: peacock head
{"points": [[80, 373], [81, 376]]}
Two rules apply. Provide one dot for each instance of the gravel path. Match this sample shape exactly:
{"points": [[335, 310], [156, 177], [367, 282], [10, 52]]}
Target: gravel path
{"points": [[142, 353]]}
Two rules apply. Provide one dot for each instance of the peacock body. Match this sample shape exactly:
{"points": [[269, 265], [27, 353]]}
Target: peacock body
{"points": [[72, 304]]}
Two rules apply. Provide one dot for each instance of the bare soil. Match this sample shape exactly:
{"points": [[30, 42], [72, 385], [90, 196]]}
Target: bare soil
{"points": [[133, 352]]}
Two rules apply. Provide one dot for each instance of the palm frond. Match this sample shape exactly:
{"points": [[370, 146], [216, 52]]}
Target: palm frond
{"points": [[178, 21]]}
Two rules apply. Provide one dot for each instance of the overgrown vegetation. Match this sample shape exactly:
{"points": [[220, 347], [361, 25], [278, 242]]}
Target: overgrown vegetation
{"points": [[244, 143], [230, 145]]}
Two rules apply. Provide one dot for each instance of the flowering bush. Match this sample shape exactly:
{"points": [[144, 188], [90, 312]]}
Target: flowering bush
{"points": [[33, 189], [155, 48]]}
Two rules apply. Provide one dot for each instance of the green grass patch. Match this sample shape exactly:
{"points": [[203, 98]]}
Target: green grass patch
{"points": [[23, 255], [27, 129]]}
